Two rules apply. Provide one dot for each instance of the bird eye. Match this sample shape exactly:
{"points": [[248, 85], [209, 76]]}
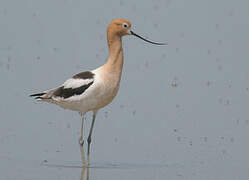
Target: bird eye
{"points": [[125, 25]]}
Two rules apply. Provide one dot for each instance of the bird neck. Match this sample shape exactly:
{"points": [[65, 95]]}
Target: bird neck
{"points": [[115, 60]]}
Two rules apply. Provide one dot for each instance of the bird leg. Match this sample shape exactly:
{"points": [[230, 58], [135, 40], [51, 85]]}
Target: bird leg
{"points": [[83, 156], [89, 139], [81, 140]]}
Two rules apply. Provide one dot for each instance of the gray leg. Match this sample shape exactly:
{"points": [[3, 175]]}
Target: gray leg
{"points": [[89, 139], [82, 156], [81, 140]]}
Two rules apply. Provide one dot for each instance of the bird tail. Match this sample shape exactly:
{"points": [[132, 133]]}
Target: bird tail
{"points": [[38, 96], [45, 95]]}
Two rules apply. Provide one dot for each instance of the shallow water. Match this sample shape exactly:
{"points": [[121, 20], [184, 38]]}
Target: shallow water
{"points": [[182, 109], [24, 169]]}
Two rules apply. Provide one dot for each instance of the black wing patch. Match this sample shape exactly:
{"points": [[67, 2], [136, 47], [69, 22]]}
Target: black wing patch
{"points": [[69, 92], [84, 75]]}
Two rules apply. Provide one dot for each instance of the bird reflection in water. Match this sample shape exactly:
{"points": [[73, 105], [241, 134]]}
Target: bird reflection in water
{"points": [[84, 173], [85, 167]]}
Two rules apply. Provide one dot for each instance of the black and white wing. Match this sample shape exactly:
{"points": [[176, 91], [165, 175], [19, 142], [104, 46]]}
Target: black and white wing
{"points": [[76, 85]]}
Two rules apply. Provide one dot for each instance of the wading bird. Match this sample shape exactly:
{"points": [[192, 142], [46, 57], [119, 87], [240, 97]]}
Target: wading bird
{"points": [[92, 90]]}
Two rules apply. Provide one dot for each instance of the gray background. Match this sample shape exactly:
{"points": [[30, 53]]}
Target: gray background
{"points": [[182, 109]]}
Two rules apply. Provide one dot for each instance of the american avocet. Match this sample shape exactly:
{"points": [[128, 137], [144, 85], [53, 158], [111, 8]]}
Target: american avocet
{"points": [[92, 90]]}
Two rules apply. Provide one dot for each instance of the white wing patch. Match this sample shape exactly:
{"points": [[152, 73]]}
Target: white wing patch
{"points": [[75, 83]]}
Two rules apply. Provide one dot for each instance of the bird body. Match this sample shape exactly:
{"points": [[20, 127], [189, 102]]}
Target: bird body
{"points": [[84, 94], [92, 90]]}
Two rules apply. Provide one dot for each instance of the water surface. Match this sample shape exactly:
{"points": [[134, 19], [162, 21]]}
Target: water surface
{"points": [[182, 109]]}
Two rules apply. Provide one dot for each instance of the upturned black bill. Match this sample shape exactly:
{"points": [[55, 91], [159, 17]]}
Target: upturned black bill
{"points": [[147, 40]]}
